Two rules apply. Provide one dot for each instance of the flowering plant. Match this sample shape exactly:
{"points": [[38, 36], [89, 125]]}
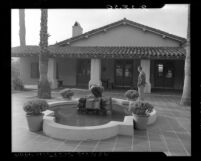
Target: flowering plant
{"points": [[66, 93], [131, 94], [35, 107], [141, 108]]}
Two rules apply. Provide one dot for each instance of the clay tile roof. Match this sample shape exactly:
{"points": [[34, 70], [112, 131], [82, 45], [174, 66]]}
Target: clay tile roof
{"points": [[101, 52]]}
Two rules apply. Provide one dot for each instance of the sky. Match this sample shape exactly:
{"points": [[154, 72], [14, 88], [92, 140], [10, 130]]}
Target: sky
{"points": [[170, 18]]}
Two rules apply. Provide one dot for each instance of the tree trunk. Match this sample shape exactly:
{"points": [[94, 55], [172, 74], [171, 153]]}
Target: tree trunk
{"points": [[44, 89], [22, 32], [186, 96]]}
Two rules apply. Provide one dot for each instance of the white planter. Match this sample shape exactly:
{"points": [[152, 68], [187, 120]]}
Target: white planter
{"points": [[152, 117], [141, 121]]}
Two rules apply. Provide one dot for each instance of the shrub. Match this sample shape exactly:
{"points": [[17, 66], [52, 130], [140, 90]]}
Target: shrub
{"points": [[141, 108], [67, 93], [103, 103], [97, 91], [131, 94], [35, 107], [17, 84], [81, 103]]}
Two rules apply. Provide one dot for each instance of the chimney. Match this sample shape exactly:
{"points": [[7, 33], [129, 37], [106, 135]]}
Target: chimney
{"points": [[22, 32], [77, 29]]}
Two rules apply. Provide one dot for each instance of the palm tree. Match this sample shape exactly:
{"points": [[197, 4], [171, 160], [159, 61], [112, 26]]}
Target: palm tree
{"points": [[44, 89], [22, 32], [186, 96]]}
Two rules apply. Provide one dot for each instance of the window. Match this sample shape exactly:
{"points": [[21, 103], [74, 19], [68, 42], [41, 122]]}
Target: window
{"points": [[160, 70], [34, 70], [169, 74], [128, 69], [119, 71]]}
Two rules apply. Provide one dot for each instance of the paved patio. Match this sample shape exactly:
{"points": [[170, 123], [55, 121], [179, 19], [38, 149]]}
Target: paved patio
{"points": [[170, 134]]}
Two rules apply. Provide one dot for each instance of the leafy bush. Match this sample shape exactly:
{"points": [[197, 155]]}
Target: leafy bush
{"points": [[97, 91], [67, 93], [17, 84], [81, 103], [35, 107], [141, 108], [131, 94]]}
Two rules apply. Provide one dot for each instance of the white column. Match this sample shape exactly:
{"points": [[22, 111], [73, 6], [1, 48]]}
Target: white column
{"points": [[95, 75], [51, 74], [145, 64]]}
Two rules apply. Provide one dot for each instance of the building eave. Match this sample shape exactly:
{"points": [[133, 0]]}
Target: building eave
{"points": [[103, 52]]}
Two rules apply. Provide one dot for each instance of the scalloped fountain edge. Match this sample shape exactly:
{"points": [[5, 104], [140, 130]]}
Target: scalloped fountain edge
{"points": [[112, 128]]}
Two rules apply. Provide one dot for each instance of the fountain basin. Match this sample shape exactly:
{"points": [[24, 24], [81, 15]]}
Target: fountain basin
{"points": [[110, 129]]}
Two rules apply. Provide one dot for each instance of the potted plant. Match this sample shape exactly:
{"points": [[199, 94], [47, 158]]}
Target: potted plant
{"points": [[67, 93], [34, 115], [131, 95], [141, 112]]}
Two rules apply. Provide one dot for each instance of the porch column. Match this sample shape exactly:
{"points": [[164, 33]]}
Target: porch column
{"points": [[145, 64], [95, 74], [52, 73]]}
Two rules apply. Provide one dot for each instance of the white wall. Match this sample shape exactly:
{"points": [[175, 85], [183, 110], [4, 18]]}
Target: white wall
{"points": [[125, 36], [25, 70]]}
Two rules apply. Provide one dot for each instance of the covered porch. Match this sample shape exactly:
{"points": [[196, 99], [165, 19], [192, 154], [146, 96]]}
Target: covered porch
{"points": [[112, 67]]}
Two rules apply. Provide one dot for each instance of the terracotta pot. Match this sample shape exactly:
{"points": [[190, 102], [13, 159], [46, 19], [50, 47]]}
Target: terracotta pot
{"points": [[35, 122], [140, 122]]}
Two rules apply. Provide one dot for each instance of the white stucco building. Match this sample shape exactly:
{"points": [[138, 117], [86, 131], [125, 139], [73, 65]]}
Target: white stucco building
{"points": [[109, 55]]}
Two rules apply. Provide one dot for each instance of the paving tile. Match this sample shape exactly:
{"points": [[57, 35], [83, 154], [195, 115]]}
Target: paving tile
{"points": [[185, 123], [173, 123], [156, 142], [174, 144], [153, 136], [182, 114], [36, 146], [106, 144], [163, 124], [21, 138], [108, 141], [84, 149], [68, 145], [124, 141], [86, 146], [186, 140], [140, 133], [153, 129], [139, 148], [42, 139], [140, 141], [122, 149], [89, 142], [104, 148], [172, 118]]}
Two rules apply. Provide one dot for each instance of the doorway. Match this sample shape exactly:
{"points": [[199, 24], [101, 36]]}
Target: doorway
{"points": [[164, 73], [123, 73], [83, 72]]}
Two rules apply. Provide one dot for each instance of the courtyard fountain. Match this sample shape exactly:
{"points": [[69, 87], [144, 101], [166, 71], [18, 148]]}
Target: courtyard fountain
{"points": [[92, 117]]}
